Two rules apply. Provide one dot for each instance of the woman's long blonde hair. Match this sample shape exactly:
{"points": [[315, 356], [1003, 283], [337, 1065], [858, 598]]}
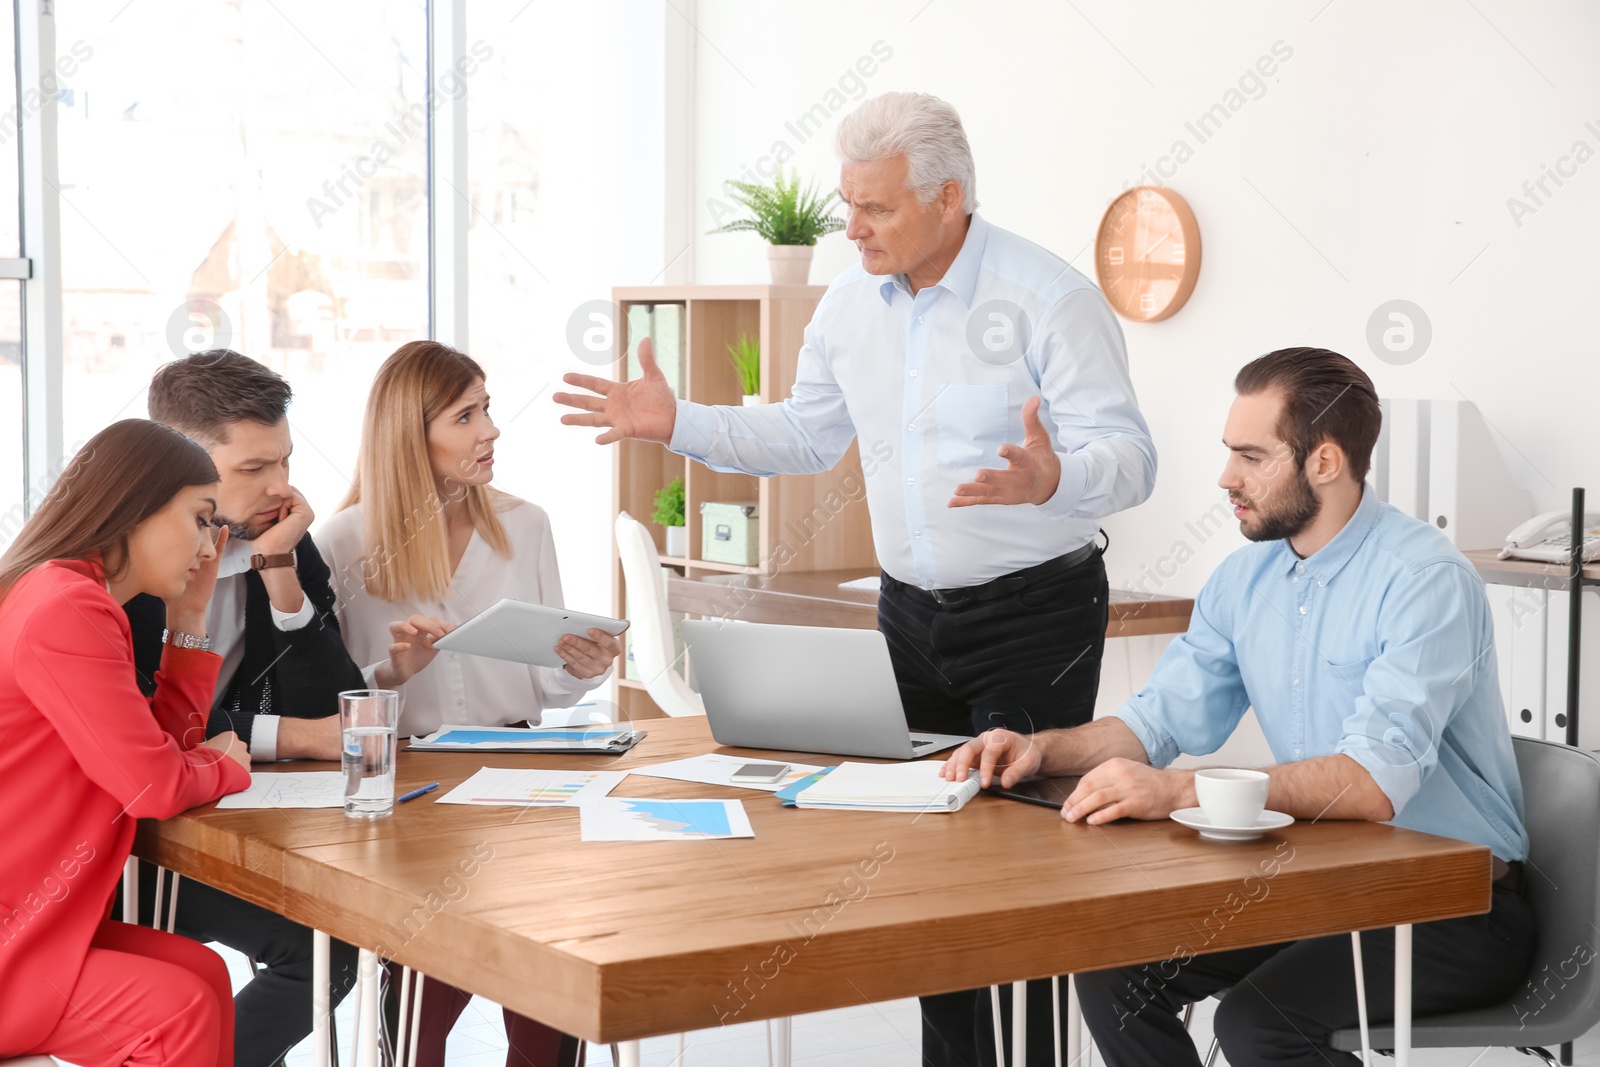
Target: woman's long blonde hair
{"points": [[408, 555]]}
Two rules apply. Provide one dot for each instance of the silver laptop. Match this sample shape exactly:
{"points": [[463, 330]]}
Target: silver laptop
{"points": [[803, 689]]}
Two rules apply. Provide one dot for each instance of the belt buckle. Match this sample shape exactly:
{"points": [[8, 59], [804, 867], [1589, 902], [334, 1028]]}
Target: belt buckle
{"points": [[946, 598]]}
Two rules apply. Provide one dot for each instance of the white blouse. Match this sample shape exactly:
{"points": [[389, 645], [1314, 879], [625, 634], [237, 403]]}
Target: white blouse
{"points": [[456, 688]]}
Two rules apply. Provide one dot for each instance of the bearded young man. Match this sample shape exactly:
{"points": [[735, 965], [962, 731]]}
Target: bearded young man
{"points": [[1363, 641]]}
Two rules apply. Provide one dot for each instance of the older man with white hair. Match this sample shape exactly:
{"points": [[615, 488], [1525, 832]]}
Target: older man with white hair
{"points": [[952, 341]]}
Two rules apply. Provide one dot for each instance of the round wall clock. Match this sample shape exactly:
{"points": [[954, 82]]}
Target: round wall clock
{"points": [[1147, 253]]}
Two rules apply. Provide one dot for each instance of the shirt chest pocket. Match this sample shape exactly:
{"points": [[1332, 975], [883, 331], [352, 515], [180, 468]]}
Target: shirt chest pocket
{"points": [[972, 424]]}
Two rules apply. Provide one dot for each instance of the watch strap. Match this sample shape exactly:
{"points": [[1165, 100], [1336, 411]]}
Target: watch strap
{"points": [[278, 559], [179, 639]]}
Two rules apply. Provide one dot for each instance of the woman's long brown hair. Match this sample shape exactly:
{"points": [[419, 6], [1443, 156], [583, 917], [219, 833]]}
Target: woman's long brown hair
{"points": [[124, 474]]}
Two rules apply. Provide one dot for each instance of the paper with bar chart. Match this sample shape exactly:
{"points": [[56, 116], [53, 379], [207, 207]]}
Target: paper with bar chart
{"points": [[662, 819], [521, 787]]}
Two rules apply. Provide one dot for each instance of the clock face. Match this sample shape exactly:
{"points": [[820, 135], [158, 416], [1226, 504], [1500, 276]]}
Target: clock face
{"points": [[1147, 253]]}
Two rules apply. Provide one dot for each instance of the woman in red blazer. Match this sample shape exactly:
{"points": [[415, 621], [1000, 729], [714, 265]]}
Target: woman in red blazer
{"points": [[83, 755]]}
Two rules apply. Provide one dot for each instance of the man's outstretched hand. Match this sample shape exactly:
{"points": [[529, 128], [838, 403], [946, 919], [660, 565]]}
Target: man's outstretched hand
{"points": [[643, 408], [1033, 470]]}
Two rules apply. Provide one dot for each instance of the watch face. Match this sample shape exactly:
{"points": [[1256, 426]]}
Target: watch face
{"points": [[1147, 254]]}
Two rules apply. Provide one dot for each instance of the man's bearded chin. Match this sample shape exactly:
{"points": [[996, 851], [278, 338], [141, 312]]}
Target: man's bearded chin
{"points": [[1287, 517], [242, 531]]}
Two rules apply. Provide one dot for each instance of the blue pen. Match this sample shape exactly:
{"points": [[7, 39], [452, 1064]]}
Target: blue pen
{"points": [[415, 793]]}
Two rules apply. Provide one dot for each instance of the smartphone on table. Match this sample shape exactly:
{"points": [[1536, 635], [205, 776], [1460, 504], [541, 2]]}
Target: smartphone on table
{"points": [[759, 774]]}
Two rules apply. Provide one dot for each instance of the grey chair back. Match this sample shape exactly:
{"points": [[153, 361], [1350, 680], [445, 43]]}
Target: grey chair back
{"points": [[1560, 999]]}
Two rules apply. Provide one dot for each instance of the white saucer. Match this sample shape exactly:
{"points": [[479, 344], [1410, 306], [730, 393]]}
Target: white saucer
{"points": [[1195, 819]]}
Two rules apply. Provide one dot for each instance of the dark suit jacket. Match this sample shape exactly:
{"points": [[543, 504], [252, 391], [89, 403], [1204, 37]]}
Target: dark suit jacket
{"points": [[296, 674]]}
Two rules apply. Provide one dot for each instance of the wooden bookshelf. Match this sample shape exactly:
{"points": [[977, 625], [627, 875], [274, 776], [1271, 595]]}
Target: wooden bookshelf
{"points": [[794, 535]]}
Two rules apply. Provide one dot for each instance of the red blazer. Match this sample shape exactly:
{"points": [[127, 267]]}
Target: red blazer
{"points": [[82, 756]]}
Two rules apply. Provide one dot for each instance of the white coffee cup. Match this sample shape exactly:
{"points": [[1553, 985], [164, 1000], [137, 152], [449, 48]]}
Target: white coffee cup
{"points": [[1231, 798]]}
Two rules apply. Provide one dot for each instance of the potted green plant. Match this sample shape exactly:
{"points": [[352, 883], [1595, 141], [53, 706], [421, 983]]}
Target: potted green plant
{"points": [[669, 512], [788, 218], [745, 355]]}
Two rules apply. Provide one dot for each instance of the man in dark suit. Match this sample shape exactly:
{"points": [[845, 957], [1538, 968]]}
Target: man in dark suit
{"points": [[283, 661]]}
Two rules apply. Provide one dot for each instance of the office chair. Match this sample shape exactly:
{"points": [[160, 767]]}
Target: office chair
{"points": [[1560, 1000]]}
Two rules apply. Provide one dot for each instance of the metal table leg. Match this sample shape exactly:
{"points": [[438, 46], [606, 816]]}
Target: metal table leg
{"points": [[1019, 1024], [320, 1047], [1402, 995], [367, 1028]]}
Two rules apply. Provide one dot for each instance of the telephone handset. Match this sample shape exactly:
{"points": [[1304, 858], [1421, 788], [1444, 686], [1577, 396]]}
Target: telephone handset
{"points": [[1547, 538]]}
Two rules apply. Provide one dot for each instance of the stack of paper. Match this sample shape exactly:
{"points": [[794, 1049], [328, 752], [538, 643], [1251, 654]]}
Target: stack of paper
{"points": [[913, 786]]}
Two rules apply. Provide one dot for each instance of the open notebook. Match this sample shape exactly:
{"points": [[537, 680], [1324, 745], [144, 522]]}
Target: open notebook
{"points": [[912, 786]]}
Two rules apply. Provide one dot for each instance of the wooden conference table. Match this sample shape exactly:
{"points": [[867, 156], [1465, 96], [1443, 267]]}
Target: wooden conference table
{"points": [[616, 941], [813, 598]]}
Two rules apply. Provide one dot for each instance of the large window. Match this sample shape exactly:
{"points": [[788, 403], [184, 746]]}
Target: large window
{"points": [[250, 176], [13, 485], [256, 176], [562, 193]]}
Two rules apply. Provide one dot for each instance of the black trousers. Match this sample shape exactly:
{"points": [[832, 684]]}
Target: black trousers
{"points": [[1028, 660], [1284, 1000], [272, 1013]]}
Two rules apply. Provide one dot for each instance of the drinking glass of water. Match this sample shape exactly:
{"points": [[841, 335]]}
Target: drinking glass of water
{"points": [[369, 720]]}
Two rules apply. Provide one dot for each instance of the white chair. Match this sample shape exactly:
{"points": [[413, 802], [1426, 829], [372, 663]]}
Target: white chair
{"points": [[651, 634]]}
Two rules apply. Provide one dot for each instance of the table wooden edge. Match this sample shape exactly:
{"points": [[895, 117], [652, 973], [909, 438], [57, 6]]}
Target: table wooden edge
{"points": [[626, 1000]]}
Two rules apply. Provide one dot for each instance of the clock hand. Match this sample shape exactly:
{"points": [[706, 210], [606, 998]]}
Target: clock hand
{"points": [[1155, 246]]}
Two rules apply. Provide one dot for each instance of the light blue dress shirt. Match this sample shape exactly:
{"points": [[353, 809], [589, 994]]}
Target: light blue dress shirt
{"points": [[1379, 646], [933, 384]]}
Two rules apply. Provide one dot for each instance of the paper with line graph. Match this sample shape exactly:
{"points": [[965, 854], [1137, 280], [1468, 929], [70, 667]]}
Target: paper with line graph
{"points": [[521, 787], [662, 819], [289, 789]]}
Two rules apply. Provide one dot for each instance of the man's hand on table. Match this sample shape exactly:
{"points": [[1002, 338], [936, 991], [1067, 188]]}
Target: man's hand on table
{"points": [[1115, 788], [1015, 756], [1126, 789], [310, 738]]}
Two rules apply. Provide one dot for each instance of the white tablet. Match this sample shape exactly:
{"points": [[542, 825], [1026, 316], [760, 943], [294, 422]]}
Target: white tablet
{"points": [[524, 633]]}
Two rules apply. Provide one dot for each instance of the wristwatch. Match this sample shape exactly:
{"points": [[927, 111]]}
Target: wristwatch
{"points": [[258, 562], [179, 639]]}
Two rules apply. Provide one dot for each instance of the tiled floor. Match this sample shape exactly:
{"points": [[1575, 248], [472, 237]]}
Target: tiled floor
{"points": [[870, 1035]]}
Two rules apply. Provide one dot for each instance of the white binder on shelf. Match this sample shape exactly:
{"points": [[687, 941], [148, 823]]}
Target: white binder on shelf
{"points": [[1400, 460], [1437, 460], [1471, 495], [1555, 668], [1528, 706]]}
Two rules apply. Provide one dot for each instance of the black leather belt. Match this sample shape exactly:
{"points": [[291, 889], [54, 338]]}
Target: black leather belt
{"points": [[1007, 584]]}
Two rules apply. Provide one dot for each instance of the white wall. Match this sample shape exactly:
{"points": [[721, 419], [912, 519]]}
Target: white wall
{"points": [[1375, 164]]}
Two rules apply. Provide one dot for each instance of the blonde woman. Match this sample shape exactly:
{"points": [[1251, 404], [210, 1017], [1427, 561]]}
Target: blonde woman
{"points": [[420, 545]]}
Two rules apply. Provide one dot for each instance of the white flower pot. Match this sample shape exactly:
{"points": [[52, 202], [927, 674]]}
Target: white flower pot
{"points": [[752, 399], [678, 541], [791, 264]]}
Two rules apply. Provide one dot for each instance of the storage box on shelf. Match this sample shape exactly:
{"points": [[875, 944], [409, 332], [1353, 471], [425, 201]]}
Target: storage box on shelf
{"points": [[803, 522]]}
